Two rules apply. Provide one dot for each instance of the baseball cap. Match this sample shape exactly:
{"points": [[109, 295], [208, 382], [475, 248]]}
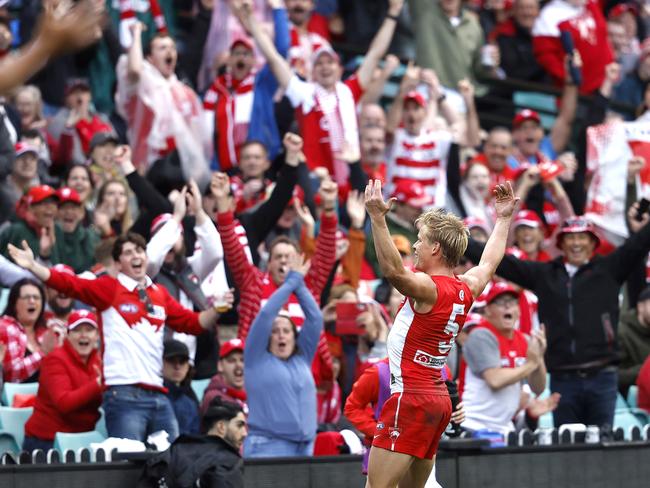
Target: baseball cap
{"points": [[528, 218], [574, 225], [244, 41], [500, 288], [159, 221], [415, 96], [523, 116], [68, 195], [231, 346], [37, 194], [402, 244], [101, 138], [78, 317], [622, 8], [477, 222], [412, 193], [175, 349], [23, 148], [325, 49], [472, 320], [76, 83]]}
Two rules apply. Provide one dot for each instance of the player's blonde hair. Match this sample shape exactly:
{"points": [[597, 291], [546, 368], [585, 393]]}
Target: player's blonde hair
{"points": [[446, 229]]}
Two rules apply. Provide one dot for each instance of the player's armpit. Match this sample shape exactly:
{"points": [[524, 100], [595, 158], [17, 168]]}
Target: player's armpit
{"points": [[418, 286], [476, 279]]}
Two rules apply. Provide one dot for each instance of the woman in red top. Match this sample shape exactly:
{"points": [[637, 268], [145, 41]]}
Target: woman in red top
{"points": [[70, 386], [23, 331]]}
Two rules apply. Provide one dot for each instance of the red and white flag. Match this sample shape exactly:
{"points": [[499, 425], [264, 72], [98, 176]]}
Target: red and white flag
{"points": [[609, 149]]}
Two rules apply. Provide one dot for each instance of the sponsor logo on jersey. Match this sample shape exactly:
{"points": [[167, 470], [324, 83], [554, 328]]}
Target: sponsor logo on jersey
{"points": [[461, 295], [128, 308], [428, 361], [380, 425]]}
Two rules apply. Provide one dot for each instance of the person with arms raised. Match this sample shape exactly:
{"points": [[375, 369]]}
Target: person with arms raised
{"points": [[424, 331]]}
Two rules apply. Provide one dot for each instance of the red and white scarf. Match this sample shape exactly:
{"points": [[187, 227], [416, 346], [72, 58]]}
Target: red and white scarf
{"points": [[223, 98], [128, 16]]}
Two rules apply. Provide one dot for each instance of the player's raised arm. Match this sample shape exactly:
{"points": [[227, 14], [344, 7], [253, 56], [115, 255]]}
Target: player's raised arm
{"points": [[479, 276], [418, 286]]}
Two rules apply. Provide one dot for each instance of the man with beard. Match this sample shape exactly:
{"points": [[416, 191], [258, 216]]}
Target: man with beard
{"points": [[167, 262], [59, 304], [161, 112], [309, 32]]}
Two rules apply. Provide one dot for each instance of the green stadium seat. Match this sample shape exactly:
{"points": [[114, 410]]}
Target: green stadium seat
{"points": [[11, 389], [8, 443], [199, 387], [626, 419], [632, 396], [12, 420], [75, 441]]}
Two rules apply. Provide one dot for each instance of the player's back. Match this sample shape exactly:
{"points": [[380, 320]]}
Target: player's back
{"points": [[418, 343]]}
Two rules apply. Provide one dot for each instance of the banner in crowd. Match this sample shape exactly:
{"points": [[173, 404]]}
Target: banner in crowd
{"points": [[609, 149]]}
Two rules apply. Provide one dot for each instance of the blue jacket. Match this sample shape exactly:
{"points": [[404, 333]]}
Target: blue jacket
{"points": [[263, 126], [186, 408], [281, 393]]}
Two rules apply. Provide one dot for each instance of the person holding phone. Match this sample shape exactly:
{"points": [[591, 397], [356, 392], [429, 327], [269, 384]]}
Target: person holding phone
{"points": [[277, 373], [437, 302]]}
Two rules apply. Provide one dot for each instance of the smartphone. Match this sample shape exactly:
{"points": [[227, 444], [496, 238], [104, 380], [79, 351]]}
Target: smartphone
{"points": [[346, 318], [644, 205]]}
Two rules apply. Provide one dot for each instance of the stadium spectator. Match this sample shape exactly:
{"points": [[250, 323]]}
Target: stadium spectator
{"points": [[309, 32], [59, 305], [112, 215], [23, 175], [634, 338], [255, 286], [515, 42], [280, 387], [578, 303], [74, 126], [23, 331], [326, 107], [443, 27], [625, 48], [212, 459], [473, 194], [36, 226], [168, 263], [228, 383], [29, 104], [583, 20], [80, 180], [163, 115], [69, 387], [631, 89], [529, 235], [101, 158], [177, 374], [499, 360], [133, 311], [75, 243], [372, 144]]}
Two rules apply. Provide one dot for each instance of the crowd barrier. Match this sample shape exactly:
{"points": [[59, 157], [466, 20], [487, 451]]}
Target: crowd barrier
{"points": [[468, 465]]}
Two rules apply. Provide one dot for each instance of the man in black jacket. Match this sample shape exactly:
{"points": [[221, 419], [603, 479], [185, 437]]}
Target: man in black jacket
{"points": [[578, 303], [210, 461]]}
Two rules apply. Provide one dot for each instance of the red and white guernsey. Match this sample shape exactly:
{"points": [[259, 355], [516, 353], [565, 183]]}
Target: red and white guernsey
{"points": [[421, 158], [418, 343]]}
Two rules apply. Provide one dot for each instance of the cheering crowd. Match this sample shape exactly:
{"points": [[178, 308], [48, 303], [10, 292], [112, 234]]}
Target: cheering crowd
{"points": [[183, 199]]}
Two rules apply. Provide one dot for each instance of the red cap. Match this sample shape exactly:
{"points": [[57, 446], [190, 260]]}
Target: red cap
{"points": [[516, 252], [324, 49], [244, 41], [499, 288], [231, 346], [159, 221], [64, 268], [78, 317], [577, 224], [415, 96], [23, 147], [472, 222], [621, 8], [37, 194], [412, 193], [472, 320], [528, 218], [66, 195], [523, 116]]}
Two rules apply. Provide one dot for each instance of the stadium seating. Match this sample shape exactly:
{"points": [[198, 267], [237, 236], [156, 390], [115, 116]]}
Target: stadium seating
{"points": [[12, 421], [11, 389], [632, 395], [64, 441], [199, 387], [626, 419]]}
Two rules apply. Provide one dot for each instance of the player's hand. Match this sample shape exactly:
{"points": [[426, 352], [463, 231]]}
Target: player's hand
{"points": [[376, 207], [506, 202]]}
